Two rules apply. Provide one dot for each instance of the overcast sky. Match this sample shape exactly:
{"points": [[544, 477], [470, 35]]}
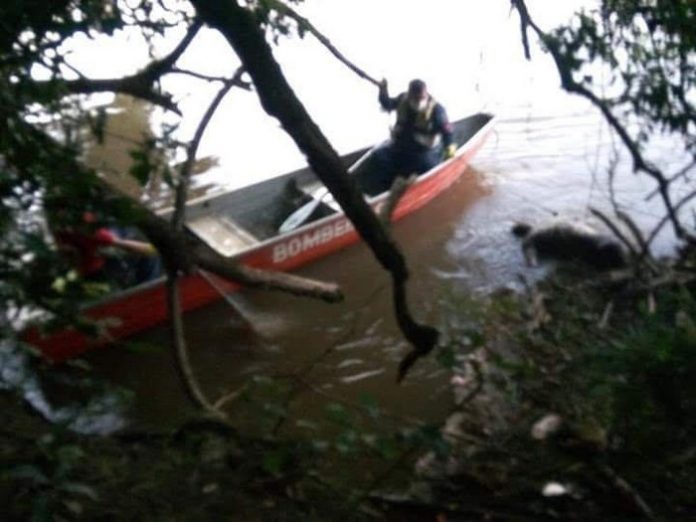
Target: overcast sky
{"points": [[468, 51]]}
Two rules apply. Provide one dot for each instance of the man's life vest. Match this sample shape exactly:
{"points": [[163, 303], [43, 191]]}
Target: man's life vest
{"points": [[420, 123]]}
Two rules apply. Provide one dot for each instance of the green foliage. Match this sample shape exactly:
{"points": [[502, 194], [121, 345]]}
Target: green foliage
{"points": [[51, 482], [647, 373], [38, 173], [624, 393], [644, 52]]}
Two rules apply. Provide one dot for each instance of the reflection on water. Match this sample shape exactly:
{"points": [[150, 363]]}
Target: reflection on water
{"points": [[97, 412], [536, 166]]}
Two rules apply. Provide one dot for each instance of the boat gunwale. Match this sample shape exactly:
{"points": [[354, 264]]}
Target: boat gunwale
{"points": [[370, 200]]}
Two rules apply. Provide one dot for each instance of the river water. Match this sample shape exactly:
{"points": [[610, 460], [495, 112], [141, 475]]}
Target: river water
{"points": [[548, 158], [543, 162]]}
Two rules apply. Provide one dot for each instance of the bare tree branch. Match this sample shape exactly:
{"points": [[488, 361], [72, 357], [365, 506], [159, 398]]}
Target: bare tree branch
{"points": [[307, 25], [140, 85], [241, 83], [250, 277], [637, 235], [523, 26], [679, 174], [179, 215], [615, 230], [177, 221], [184, 363], [665, 219], [137, 86], [159, 67], [627, 491]]}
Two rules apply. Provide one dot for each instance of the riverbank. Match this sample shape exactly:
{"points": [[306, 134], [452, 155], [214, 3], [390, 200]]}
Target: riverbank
{"points": [[576, 401]]}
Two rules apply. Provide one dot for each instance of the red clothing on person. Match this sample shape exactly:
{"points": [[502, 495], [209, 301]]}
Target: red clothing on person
{"points": [[86, 247]]}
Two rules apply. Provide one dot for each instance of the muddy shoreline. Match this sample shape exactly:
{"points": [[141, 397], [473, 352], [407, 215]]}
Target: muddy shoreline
{"points": [[618, 386]]}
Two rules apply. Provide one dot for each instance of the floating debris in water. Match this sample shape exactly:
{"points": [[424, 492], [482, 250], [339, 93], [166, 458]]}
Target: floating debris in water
{"points": [[360, 376], [554, 489]]}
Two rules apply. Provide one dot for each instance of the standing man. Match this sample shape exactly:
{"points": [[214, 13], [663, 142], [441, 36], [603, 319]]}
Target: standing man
{"points": [[421, 137]]}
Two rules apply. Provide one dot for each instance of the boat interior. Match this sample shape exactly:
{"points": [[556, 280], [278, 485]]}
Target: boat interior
{"points": [[235, 221]]}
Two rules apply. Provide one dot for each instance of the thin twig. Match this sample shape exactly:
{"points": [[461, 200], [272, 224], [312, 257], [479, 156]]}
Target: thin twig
{"points": [[645, 254], [177, 223], [141, 84], [680, 173], [184, 364], [665, 219], [247, 86], [185, 174], [604, 321], [633, 228], [229, 397], [615, 230], [627, 491], [306, 24]]}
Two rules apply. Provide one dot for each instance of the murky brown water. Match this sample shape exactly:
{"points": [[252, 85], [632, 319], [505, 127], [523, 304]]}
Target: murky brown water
{"points": [[533, 168], [289, 332]]}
